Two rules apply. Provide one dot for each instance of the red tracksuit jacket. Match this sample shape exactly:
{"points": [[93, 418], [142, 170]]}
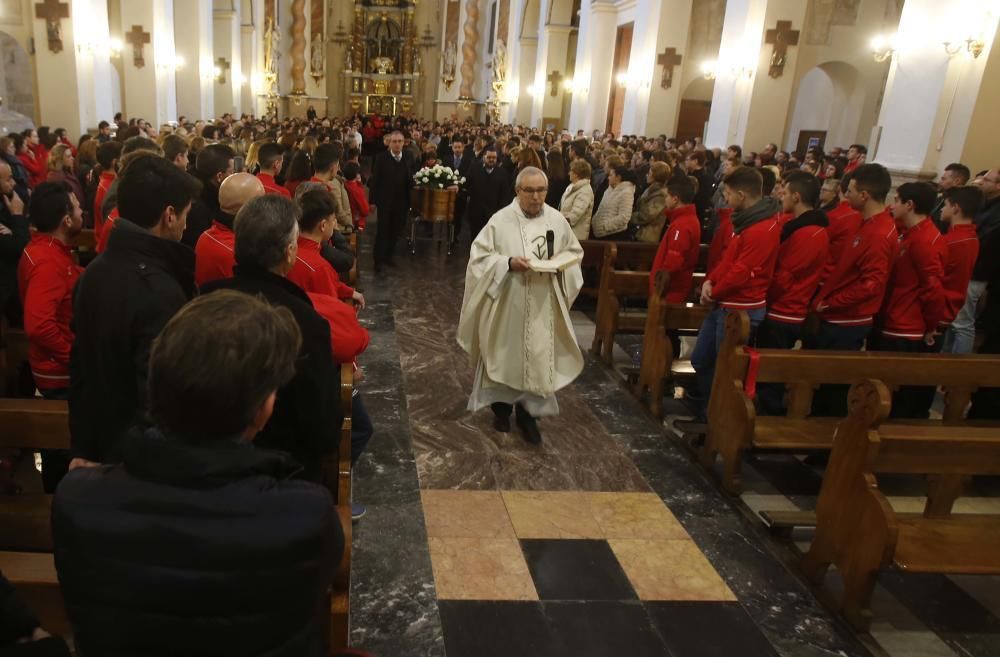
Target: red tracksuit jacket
{"points": [[855, 289], [741, 280], [214, 254], [845, 222], [796, 274], [678, 253], [272, 187], [103, 185], [314, 274], [721, 239], [962, 249], [46, 275], [347, 337], [360, 209], [914, 301]]}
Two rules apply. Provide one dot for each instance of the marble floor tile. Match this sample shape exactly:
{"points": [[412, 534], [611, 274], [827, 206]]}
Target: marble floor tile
{"points": [[465, 514], [496, 629], [911, 643], [708, 629], [520, 471], [576, 570], [455, 470], [480, 569], [603, 629], [551, 515], [634, 515], [669, 570]]}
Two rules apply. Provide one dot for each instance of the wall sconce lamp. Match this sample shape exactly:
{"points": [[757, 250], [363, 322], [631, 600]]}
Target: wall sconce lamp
{"points": [[974, 47], [568, 85], [708, 69], [884, 47]]}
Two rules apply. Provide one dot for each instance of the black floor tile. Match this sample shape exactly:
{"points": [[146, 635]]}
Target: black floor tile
{"points": [[939, 603], [604, 629], [496, 629], [576, 570], [708, 629]]}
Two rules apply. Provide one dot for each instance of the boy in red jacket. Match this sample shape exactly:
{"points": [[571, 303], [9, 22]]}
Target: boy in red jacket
{"points": [[804, 250], [356, 193], [853, 293], [46, 275], [741, 280], [679, 249], [845, 222], [958, 211]]}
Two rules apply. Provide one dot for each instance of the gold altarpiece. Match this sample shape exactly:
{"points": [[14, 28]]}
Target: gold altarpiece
{"points": [[382, 67]]}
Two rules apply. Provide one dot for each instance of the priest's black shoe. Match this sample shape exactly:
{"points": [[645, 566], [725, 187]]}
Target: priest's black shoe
{"points": [[501, 416], [528, 426]]}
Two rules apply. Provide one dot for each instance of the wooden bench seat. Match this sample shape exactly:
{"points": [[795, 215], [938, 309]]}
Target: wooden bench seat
{"points": [[624, 274], [733, 424], [857, 529], [34, 577]]}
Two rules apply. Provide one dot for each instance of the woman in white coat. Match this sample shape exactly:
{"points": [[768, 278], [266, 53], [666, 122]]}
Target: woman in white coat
{"points": [[610, 222], [577, 203]]}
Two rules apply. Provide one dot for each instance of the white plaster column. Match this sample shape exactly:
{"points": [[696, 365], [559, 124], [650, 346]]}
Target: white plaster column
{"points": [[594, 64], [150, 90], [248, 59], [554, 31], [226, 44], [739, 58], [74, 85], [193, 36], [652, 110], [920, 137]]}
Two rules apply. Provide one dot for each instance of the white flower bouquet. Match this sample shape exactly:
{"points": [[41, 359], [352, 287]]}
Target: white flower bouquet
{"points": [[438, 177]]}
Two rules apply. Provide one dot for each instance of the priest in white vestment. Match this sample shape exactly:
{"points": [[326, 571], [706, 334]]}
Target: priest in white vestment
{"points": [[523, 275]]}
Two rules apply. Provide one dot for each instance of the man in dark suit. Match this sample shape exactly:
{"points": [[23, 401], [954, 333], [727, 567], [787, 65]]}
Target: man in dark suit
{"points": [[389, 190], [489, 189], [461, 161]]}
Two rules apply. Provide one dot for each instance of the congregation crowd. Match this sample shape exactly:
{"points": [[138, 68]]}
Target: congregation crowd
{"points": [[200, 351]]}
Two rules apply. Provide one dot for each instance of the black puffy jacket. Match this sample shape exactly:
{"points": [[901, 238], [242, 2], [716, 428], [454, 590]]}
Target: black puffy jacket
{"points": [[196, 550]]}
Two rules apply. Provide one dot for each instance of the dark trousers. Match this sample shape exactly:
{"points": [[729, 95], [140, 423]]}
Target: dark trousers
{"points": [[361, 428], [55, 462], [831, 400], [772, 334], [909, 402], [391, 222], [706, 348]]}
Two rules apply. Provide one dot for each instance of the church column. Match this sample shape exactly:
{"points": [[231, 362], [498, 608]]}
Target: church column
{"points": [[659, 44], [920, 138], [470, 50], [196, 79], [523, 37], [227, 62], [74, 84], [594, 63], [150, 61], [550, 68], [752, 93], [248, 61]]}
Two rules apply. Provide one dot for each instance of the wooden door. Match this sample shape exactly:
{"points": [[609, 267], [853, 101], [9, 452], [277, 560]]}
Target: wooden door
{"points": [[616, 102], [692, 117], [808, 139]]}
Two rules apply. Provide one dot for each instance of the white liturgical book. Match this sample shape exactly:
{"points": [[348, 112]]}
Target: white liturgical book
{"points": [[561, 262]]}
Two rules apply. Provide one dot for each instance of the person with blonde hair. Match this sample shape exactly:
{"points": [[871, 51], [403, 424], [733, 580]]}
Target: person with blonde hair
{"points": [[577, 203], [649, 217], [61, 167]]}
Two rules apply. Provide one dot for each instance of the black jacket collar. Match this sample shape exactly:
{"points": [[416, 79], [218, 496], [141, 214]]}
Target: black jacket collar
{"points": [[129, 239], [808, 218], [266, 277]]}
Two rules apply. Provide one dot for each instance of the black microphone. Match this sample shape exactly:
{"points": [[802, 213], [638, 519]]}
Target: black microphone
{"points": [[550, 239]]}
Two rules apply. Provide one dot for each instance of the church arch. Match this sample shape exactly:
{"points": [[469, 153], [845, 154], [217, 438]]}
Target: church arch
{"points": [[16, 77], [696, 105], [829, 99]]}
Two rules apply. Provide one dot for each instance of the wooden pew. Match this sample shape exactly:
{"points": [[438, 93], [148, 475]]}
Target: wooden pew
{"points": [[624, 273], [658, 357], [353, 275], [733, 424], [13, 357], [340, 596], [857, 529], [593, 258], [84, 245]]}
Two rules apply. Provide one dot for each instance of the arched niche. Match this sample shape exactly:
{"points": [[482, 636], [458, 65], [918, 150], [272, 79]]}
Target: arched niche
{"points": [[830, 99], [695, 107], [16, 78]]}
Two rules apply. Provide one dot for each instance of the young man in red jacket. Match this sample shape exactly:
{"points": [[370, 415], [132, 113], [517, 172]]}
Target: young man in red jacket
{"points": [[108, 154], [853, 293], [845, 222], [681, 244], [213, 254], [46, 276], [270, 158], [914, 303], [740, 282], [803, 251], [958, 212]]}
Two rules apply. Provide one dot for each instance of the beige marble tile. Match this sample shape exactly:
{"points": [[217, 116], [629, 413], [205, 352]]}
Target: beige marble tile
{"points": [[634, 515], [465, 514], [480, 569], [537, 514], [669, 570]]}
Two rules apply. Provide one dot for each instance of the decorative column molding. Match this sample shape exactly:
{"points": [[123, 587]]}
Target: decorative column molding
{"points": [[298, 46], [469, 47]]}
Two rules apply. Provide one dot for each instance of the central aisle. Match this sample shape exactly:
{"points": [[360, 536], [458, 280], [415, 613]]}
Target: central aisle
{"points": [[605, 537]]}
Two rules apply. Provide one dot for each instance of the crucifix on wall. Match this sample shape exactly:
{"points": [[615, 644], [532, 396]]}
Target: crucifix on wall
{"points": [[221, 66], [53, 12], [781, 37], [668, 60], [138, 38], [555, 79]]}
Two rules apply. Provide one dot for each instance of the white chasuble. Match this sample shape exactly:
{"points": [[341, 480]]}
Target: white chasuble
{"points": [[516, 326]]}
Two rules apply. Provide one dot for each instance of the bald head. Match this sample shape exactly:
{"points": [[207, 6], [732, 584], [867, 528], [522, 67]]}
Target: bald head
{"points": [[237, 190]]}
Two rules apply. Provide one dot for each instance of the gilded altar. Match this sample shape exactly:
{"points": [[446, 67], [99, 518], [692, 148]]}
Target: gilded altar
{"points": [[383, 58]]}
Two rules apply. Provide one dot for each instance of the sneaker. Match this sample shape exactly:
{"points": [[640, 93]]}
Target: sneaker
{"points": [[358, 511]]}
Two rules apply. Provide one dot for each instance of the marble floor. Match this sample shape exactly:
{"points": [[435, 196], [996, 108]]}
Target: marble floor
{"points": [[603, 540]]}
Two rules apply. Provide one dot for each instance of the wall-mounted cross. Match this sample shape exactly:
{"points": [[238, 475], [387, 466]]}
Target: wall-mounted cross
{"points": [[781, 37], [138, 38], [555, 79], [668, 60], [53, 12], [221, 65]]}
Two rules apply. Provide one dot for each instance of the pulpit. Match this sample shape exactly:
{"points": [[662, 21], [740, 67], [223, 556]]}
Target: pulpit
{"points": [[383, 59]]}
